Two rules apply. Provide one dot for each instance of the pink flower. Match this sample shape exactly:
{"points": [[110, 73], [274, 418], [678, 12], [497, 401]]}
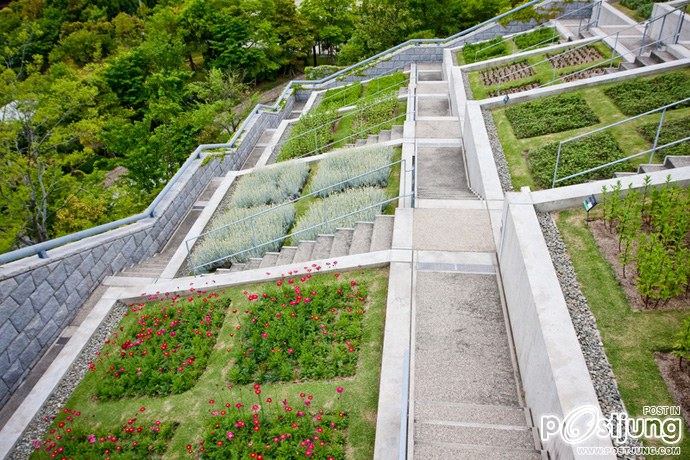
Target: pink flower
{"points": [[36, 443], [256, 408], [339, 390], [230, 435], [92, 438]]}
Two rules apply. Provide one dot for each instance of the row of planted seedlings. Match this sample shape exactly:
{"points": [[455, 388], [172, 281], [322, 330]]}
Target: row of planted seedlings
{"points": [[285, 369], [295, 201], [346, 114], [530, 132], [562, 65]]}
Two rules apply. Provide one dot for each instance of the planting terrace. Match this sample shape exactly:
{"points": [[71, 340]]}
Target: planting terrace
{"points": [[389, 262]]}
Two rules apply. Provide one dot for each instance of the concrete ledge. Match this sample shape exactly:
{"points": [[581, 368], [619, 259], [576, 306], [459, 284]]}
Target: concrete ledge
{"points": [[481, 167]]}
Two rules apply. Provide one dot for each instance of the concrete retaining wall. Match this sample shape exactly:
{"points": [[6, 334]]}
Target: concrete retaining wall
{"points": [[554, 374], [39, 297], [481, 168]]}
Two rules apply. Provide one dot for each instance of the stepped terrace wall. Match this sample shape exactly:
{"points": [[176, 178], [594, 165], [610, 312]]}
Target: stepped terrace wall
{"points": [[40, 297]]}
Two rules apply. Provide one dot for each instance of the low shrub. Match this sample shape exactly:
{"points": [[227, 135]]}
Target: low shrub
{"points": [[350, 164], [275, 430], [162, 347], [320, 71], [387, 83], [591, 151], [670, 131], [338, 205], [309, 135], [270, 186], [550, 115], [643, 8], [540, 37], [475, 52], [230, 239], [133, 440], [376, 116], [340, 97], [302, 328], [643, 94]]}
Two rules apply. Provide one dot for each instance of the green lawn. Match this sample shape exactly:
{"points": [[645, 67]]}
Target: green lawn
{"points": [[192, 409], [626, 135], [630, 337]]}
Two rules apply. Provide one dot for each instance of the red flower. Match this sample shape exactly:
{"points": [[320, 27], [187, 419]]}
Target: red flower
{"points": [[339, 390]]}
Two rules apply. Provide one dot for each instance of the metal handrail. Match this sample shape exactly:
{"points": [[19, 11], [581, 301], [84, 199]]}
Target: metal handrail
{"points": [[41, 249], [286, 203], [285, 237]]}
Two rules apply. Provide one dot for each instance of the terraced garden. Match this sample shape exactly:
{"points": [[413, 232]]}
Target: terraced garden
{"points": [[284, 369], [570, 64], [529, 133], [373, 107], [296, 201], [500, 46]]}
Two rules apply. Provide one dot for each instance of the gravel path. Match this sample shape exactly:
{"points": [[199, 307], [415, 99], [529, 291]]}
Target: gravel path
{"points": [[497, 151]]}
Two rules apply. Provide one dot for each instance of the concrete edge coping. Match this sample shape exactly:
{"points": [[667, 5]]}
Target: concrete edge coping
{"points": [[495, 62], [45, 386]]}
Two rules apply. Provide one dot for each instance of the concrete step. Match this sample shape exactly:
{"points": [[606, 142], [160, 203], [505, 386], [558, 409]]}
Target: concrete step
{"points": [[645, 60], [649, 168], [382, 233], [304, 250], [360, 142], [372, 139], [475, 434], [424, 66], [341, 242], [432, 87], [253, 263], [266, 136], [621, 174], [322, 248], [139, 273], [287, 255], [474, 452], [361, 238], [629, 65], [662, 56], [269, 259], [396, 132], [385, 135], [429, 75], [485, 414], [238, 267], [676, 161]]}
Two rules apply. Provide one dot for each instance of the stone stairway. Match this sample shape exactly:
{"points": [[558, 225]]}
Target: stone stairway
{"points": [[396, 132], [670, 162], [364, 237]]}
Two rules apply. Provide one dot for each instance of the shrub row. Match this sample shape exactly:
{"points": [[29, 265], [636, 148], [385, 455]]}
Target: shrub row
{"points": [[550, 115], [340, 97], [270, 186], [643, 94], [307, 328], [376, 117], [338, 205], [309, 135], [350, 164], [475, 52], [670, 131], [589, 152], [541, 37]]}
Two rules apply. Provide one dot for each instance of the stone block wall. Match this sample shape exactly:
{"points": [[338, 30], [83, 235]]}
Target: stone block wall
{"points": [[39, 297]]}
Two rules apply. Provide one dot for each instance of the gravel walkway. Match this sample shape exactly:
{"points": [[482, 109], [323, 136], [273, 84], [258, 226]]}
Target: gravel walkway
{"points": [[497, 151]]}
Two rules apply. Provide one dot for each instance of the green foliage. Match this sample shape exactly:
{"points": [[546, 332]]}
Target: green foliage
{"points": [[330, 209], [640, 95], [344, 169], [642, 8], [302, 329], [577, 156], [475, 52], [681, 344], [537, 38], [550, 115], [162, 348], [270, 185], [318, 72], [670, 131], [310, 135], [340, 97]]}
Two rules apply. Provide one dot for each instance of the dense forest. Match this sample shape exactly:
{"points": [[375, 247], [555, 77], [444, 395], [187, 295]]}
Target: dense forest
{"points": [[101, 101]]}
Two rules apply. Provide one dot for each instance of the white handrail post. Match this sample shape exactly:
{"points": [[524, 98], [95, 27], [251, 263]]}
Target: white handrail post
{"points": [[657, 135], [555, 169]]}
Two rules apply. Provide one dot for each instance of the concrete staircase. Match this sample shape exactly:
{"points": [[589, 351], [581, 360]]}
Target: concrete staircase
{"points": [[670, 162], [364, 237], [396, 132]]}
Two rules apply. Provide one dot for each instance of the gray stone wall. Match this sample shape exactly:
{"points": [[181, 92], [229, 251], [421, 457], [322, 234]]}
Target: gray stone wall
{"points": [[39, 297]]}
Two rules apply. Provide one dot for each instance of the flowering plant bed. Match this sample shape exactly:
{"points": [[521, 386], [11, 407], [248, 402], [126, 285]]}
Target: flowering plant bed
{"points": [[327, 418]]}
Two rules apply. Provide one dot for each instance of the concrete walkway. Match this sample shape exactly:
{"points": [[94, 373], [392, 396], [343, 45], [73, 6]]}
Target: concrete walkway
{"points": [[465, 394]]}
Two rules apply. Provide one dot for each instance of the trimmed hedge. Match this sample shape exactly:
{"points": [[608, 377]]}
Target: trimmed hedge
{"points": [[591, 151], [670, 131], [475, 52], [541, 37], [550, 115], [643, 94]]}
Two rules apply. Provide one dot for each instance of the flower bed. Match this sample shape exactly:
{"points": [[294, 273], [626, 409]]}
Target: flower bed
{"points": [[161, 348], [643, 94], [577, 156], [338, 169], [550, 115], [298, 330], [270, 186], [670, 131]]}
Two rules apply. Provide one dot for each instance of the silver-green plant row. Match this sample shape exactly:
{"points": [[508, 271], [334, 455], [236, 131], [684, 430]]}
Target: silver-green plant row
{"points": [[349, 168], [270, 186]]}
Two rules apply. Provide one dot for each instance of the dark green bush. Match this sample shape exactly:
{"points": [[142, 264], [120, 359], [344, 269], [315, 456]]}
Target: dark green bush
{"points": [[643, 94], [577, 156], [550, 115], [643, 8], [670, 131], [475, 52], [540, 37]]}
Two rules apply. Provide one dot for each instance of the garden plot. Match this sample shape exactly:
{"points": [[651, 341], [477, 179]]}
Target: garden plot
{"points": [[500, 46], [576, 57], [500, 75], [584, 74], [513, 89], [529, 133], [262, 367]]}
